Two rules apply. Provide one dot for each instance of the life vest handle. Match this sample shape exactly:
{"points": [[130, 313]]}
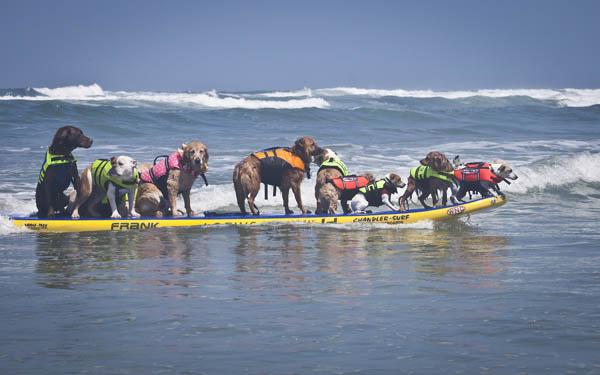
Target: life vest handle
{"points": [[159, 156]]}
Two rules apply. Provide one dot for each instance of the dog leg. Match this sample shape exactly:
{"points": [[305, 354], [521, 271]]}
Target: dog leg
{"points": [[92, 204], [359, 203], [422, 198], [285, 194], [83, 194], [186, 200], [131, 201], [345, 206], [298, 196], [112, 200]]}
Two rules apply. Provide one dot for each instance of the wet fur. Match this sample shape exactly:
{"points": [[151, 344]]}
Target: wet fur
{"points": [[150, 201], [326, 193], [247, 176], [48, 200]]}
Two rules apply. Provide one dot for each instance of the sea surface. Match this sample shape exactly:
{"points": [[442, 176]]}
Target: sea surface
{"points": [[514, 290]]}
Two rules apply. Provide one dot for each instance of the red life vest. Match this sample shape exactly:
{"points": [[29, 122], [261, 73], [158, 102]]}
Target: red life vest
{"points": [[349, 182], [475, 172]]}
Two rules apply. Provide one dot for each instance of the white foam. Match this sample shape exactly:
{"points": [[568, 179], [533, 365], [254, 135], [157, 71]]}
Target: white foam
{"points": [[565, 97], [7, 227], [287, 94], [555, 172], [310, 98], [73, 92], [209, 99]]}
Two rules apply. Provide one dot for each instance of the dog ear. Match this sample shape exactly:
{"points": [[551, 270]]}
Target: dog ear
{"points": [[300, 142], [113, 160]]}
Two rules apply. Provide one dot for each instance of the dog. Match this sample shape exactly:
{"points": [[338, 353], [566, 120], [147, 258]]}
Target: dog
{"points": [[435, 174], [327, 194], [108, 180], [58, 171], [377, 193], [482, 178], [283, 167], [176, 174]]}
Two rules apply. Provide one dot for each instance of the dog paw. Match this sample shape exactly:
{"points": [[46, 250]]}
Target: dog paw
{"points": [[134, 214], [192, 213], [115, 215], [178, 213]]}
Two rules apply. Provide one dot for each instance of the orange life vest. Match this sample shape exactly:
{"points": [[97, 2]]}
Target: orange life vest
{"points": [[274, 161], [475, 172], [349, 182]]}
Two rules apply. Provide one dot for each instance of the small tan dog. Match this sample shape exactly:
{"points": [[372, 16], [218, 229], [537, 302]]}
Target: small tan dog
{"points": [[107, 181], [161, 183], [283, 167]]}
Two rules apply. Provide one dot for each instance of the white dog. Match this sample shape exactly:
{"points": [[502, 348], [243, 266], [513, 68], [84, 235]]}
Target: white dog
{"points": [[482, 178], [107, 181]]}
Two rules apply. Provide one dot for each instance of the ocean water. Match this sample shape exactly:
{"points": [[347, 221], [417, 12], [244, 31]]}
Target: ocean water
{"points": [[506, 291]]}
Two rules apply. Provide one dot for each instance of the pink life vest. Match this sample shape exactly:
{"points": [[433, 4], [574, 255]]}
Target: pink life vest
{"points": [[174, 161]]}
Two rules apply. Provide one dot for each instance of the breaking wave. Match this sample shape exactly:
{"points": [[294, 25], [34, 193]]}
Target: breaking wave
{"points": [[209, 99], [554, 172], [294, 99]]}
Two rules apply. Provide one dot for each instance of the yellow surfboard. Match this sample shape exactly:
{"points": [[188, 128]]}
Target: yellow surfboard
{"points": [[387, 217]]}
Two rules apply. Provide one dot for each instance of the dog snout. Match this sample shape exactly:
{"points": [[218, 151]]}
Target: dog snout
{"points": [[86, 142], [316, 151], [402, 184]]}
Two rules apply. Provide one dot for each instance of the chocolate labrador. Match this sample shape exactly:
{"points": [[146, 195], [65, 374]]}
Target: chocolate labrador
{"points": [[59, 171]]}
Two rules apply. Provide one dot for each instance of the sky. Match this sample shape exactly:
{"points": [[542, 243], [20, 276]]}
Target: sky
{"points": [[285, 45]]}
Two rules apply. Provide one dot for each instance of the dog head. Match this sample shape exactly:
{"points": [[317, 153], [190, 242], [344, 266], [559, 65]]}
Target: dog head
{"points": [[394, 179], [195, 155], [68, 138], [123, 167], [437, 161], [501, 169], [326, 154], [306, 148]]}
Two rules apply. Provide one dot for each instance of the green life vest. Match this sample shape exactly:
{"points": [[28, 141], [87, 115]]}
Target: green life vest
{"points": [[101, 178], [333, 163], [422, 172], [54, 160], [372, 191]]}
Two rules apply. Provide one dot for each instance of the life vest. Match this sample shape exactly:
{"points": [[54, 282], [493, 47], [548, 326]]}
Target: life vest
{"points": [[349, 182], [60, 161], [101, 179], [475, 172], [273, 161], [372, 191], [335, 163], [423, 172]]}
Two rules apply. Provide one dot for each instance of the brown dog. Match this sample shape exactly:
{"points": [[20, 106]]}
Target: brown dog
{"points": [[283, 167], [436, 173], [58, 171], [161, 183]]}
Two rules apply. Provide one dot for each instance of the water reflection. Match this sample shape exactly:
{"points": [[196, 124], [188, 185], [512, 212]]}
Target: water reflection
{"points": [[289, 260], [69, 259]]}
